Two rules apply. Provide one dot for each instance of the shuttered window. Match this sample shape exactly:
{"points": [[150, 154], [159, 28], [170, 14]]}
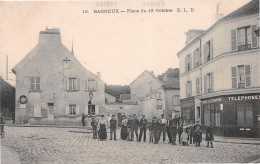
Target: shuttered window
{"points": [[91, 84], [197, 86], [72, 110], [71, 83], [209, 83], [196, 58], [241, 76], [188, 62], [208, 51], [189, 88]]}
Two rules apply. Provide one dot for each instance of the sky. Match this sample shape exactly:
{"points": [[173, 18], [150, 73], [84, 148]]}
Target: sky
{"points": [[119, 45]]}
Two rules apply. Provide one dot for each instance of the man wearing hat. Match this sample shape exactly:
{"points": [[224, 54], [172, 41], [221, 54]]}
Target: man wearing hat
{"points": [[143, 124], [113, 124], [130, 134], [163, 122], [135, 126]]}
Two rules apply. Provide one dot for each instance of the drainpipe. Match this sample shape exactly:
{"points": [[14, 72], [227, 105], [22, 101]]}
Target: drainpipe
{"points": [[200, 80]]}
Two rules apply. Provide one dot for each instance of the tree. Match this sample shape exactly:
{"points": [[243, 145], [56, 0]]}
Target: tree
{"points": [[117, 90], [171, 72]]}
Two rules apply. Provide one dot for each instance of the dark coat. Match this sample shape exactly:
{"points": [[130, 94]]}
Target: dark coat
{"points": [[209, 134], [155, 125], [113, 123], [197, 136], [135, 123], [143, 123]]}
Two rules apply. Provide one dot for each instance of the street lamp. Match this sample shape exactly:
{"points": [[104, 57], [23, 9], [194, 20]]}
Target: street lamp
{"points": [[90, 103]]}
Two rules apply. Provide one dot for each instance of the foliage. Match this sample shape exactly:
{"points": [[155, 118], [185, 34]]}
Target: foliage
{"points": [[171, 72]]}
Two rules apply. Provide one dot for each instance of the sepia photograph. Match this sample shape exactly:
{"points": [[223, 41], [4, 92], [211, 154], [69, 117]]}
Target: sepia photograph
{"points": [[129, 81]]}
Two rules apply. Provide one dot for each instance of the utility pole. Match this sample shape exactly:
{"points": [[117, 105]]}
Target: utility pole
{"points": [[6, 67]]}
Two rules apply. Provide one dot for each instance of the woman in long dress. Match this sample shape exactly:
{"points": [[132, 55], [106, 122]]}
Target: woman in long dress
{"points": [[102, 128], [124, 129]]}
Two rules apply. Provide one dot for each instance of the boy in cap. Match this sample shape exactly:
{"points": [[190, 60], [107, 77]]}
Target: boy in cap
{"points": [[113, 124]]}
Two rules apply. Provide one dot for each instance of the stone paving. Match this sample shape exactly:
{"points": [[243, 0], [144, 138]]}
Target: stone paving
{"points": [[71, 145]]}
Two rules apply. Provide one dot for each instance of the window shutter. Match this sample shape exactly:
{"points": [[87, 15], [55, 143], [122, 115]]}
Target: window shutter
{"points": [[234, 77], [205, 83], [211, 49], [212, 82], [77, 110], [78, 84], [254, 37], [205, 53], [234, 39], [67, 108], [97, 110], [248, 78], [65, 83]]}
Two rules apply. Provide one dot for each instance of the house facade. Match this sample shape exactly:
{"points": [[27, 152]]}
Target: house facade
{"points": [[52, 85], [219, 75], [155, 97]]}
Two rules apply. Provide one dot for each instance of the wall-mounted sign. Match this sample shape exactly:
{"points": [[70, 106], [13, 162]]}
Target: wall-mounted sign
{"points": [[211, 100], [239, 98], [22, 106], [221, 106]]}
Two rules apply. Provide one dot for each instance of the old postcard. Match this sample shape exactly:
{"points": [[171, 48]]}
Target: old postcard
{"points": [[127, 81]]}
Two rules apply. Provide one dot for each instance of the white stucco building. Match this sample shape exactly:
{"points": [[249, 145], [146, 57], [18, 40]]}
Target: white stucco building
{"points": [[219, 74], [52, 85]]}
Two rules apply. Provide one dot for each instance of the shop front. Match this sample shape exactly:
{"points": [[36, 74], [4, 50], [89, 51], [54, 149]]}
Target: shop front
{"points": [[233, 115], [188, 111]]}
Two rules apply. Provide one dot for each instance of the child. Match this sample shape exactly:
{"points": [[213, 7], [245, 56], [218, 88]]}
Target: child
{"points": [[209, 135], [184, 138], [197, 136], [150, 132]]}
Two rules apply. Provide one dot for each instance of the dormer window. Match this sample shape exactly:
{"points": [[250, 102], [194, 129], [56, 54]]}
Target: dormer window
{"points": [[66, 63]]}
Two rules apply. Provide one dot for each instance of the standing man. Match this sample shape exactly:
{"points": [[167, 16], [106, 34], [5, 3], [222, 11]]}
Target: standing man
{"points": [[156, 130], [163, 126], [94, 125], [83, 119], [168, 129], [113, 124], [143, 124], [173, 130], [130, 133], [135, 126]]}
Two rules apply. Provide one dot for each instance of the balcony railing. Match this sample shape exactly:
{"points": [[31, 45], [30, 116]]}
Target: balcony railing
{"points": [[244, 47]]}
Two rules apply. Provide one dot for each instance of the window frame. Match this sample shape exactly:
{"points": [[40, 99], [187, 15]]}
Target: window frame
{"points": [[71, 113], [34, 84]]}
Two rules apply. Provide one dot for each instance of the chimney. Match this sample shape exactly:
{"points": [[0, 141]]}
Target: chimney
{"points": [[50, 37], [165, 77], [218, 15], [99, 75]]}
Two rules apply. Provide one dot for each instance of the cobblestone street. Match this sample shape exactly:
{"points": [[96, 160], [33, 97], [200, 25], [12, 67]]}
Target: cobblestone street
{"points": [[74, 145]]}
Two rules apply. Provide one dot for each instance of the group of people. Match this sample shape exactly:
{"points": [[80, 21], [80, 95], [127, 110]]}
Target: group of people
{"points": [[156, 127]]}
